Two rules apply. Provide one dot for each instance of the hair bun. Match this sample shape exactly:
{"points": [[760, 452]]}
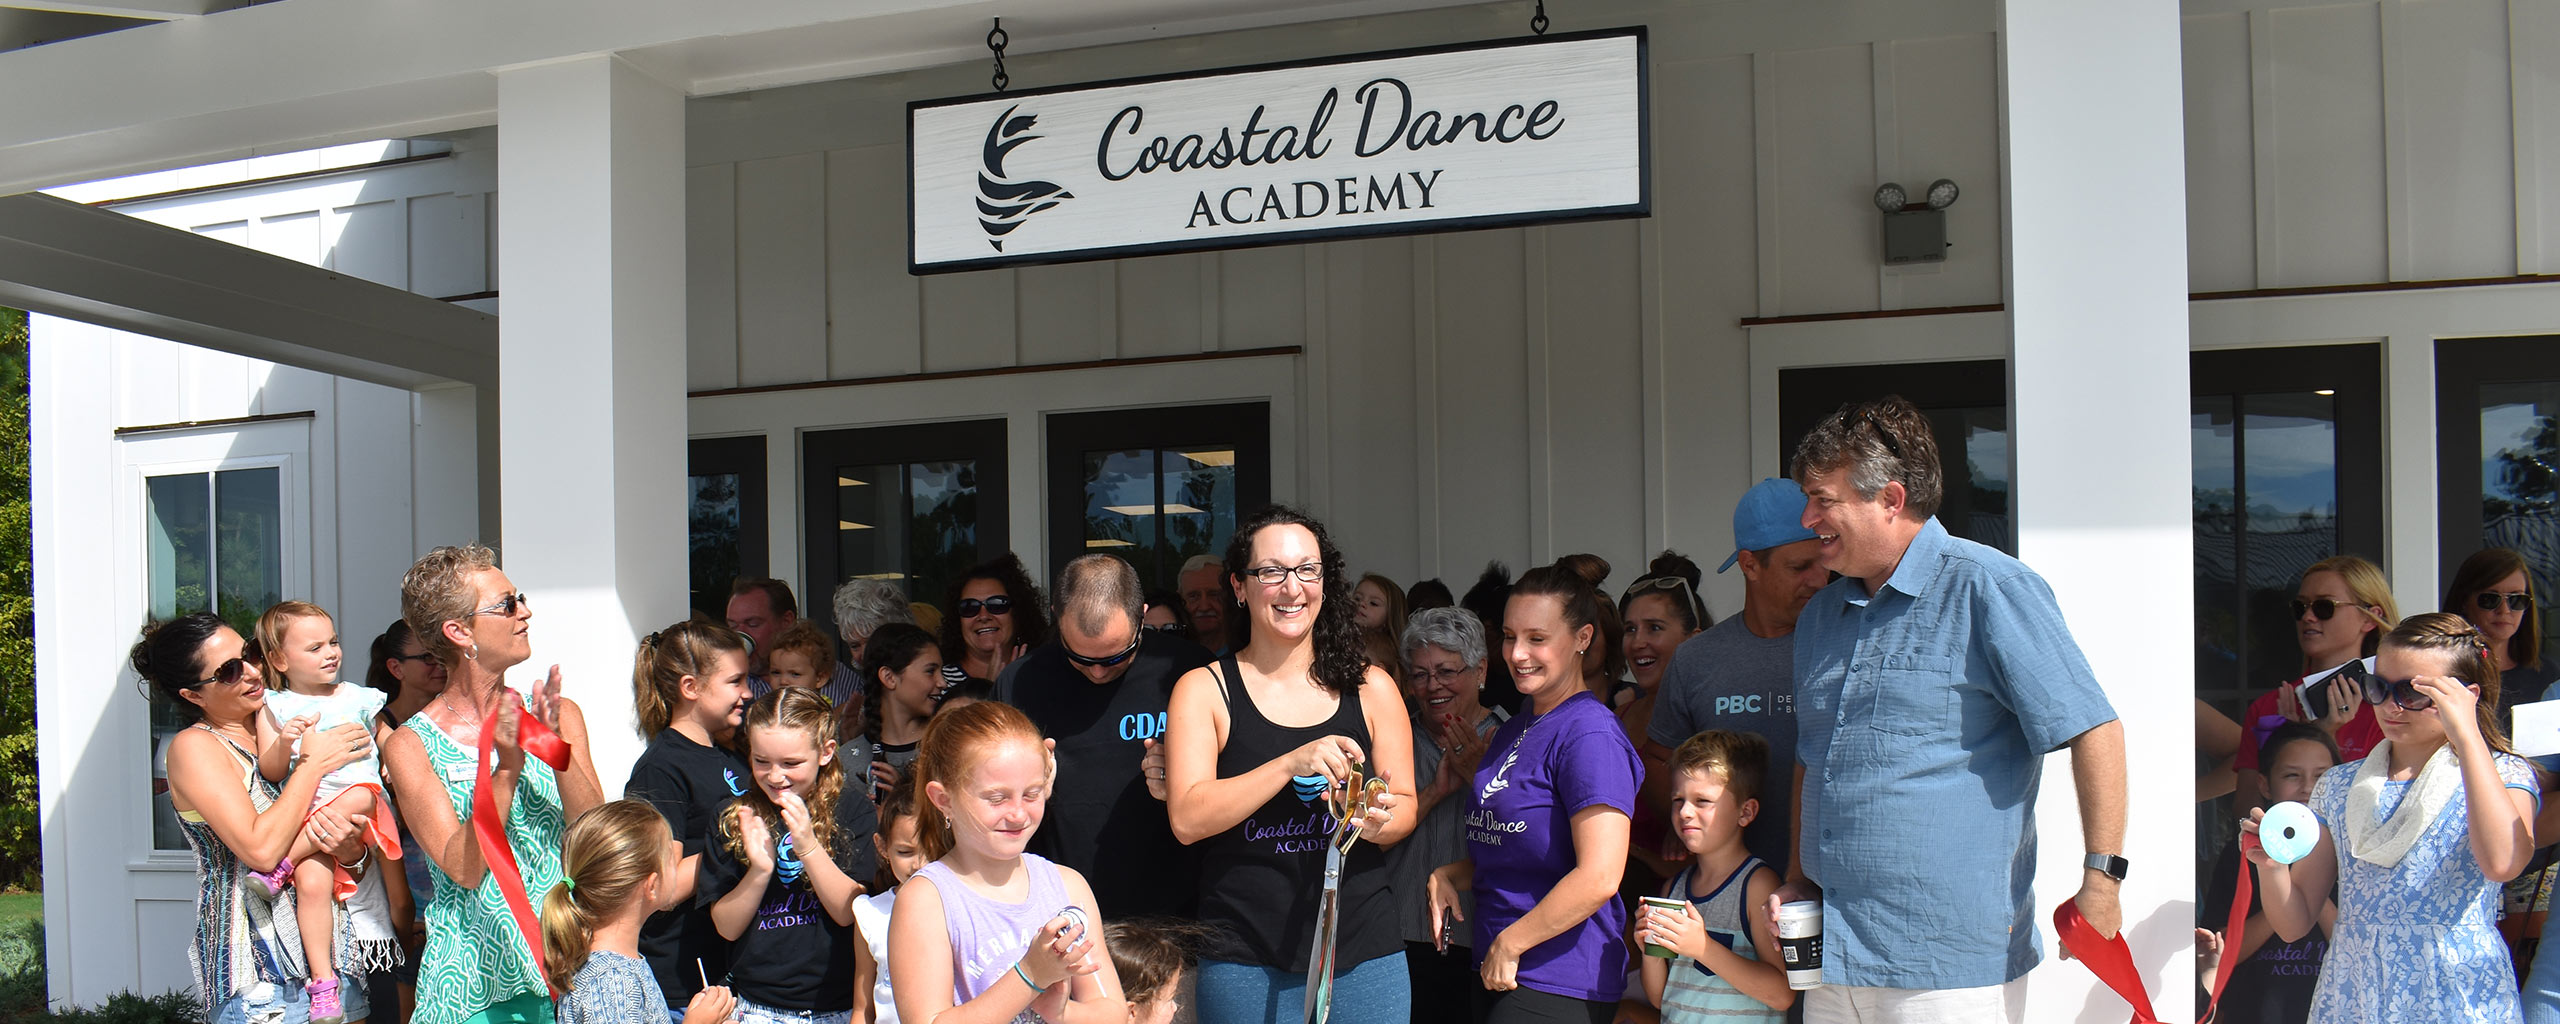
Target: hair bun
{"points": [[1673, 563]]}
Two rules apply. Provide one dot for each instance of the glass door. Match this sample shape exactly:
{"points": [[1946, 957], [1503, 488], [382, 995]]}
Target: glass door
{"points": [[726, 528], [2498, 432], [2288, 471], [1967, 404], [915, 505], [1155, 486]]}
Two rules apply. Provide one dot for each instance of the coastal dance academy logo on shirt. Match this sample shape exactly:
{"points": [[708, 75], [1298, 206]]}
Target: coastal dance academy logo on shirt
{"points": [[1298, 833], [786, 862], [1004, 204], [736, 787]]}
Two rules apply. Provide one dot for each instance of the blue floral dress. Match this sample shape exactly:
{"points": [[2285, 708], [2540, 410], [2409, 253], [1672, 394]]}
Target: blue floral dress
{"points": [[2417, 941]]}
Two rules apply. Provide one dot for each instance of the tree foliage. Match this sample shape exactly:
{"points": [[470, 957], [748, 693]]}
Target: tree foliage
{"points": [[21, 858]]}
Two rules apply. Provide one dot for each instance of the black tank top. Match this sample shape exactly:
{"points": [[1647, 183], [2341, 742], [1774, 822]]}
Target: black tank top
{"points": [[1261, 881]]}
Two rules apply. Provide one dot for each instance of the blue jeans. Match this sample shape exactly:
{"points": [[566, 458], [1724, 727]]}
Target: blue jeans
{"points": [[266, 1002], [1372, 992], [2542, 984], [757, 1013]]}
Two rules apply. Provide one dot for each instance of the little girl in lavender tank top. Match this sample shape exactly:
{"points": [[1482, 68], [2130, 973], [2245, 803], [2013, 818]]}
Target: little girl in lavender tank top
{"points": [[986, 925]]}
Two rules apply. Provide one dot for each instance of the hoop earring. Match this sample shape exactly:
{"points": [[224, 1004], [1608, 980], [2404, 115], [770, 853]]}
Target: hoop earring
{"points": [[473, 654]]}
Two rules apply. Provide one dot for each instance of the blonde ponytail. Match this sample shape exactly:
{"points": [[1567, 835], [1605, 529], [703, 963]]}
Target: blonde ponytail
{"points": [[604, 860]]}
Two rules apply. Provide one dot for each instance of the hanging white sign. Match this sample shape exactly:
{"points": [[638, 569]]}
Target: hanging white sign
{"points": [[1480, 135]]}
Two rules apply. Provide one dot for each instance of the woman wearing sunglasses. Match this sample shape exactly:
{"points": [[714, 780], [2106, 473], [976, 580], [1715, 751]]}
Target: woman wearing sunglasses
{"points": [[402, 668], [2339, 614], [2418, 836], [247, 957], [478, 966], [1261, 750], [2494, 589], [990, 616]]}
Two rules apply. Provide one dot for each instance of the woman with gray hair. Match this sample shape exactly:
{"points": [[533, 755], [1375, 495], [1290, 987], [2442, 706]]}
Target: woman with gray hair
{"points": [[1444, 652], [861, 608]]}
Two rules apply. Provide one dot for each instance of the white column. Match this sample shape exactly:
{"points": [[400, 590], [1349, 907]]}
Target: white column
{"points": [[2093, 135], [591, 370]]}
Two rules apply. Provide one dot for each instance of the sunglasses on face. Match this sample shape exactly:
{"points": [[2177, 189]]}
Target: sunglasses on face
{"points": [[1124, 655], [2403, 692], [228, 673], [507, 606], [997, 605], [1274, 575], [2323, 609], [421, 657], [2487, 600]]}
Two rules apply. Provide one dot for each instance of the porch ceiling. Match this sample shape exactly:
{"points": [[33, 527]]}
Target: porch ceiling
{"points": [[294, 74], [106, 268]]}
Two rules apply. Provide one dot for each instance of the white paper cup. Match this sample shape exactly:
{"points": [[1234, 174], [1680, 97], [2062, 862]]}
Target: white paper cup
{"points": [[1800, 943]]}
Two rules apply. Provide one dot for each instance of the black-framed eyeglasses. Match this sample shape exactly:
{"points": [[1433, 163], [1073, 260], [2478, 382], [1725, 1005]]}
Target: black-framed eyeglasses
{"points": [[2488, 600], [997, 605], [421, 656], [1125, 654], [507, 606], [1161, 627], [2323, 609], [1274, 575]]}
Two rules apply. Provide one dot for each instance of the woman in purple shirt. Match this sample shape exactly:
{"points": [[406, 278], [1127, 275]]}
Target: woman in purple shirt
{"points": [[1547, 823]]}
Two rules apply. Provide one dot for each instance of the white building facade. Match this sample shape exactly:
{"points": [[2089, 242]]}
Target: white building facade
{"points": [[702, 250]]}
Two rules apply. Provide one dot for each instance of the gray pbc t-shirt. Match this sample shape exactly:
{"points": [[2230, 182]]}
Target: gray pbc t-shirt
{"points": [[1728, 678]]}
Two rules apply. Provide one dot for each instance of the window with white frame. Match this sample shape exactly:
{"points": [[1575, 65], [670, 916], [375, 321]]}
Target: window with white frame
{"points": [[221, 518]]}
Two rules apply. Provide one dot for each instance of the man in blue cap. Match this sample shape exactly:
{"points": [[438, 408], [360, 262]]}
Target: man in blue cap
{"points": [[1740, 673]]}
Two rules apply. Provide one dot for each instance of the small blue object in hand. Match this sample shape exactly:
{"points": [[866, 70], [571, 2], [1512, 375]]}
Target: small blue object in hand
{"points": [[2289, 831]]}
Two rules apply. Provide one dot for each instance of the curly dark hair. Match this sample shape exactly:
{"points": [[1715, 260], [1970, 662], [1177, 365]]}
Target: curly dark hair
{"points": [[1030, 615], [1342, 656]]}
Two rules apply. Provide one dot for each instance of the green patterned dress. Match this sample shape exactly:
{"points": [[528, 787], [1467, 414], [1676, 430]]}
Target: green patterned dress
{"points": [[475, 958]]}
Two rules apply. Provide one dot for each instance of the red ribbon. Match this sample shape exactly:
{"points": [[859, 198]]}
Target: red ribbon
{"points": [[2112, 961], [490, 827]]}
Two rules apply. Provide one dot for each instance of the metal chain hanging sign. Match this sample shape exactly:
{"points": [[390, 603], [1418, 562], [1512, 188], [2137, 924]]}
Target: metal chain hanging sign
{"points": [[1518, 131]]}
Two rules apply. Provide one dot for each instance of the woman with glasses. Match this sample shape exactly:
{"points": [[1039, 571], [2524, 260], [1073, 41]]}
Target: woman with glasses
{"points": [[489, 778], [2418, 836], [2494, 590], [247, 956], [1260, 747], [991, 615], [1444, 652], [2340, 612]]}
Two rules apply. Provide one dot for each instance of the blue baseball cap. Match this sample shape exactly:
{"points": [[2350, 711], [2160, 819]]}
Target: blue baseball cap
{"points": [[1771, 513]]}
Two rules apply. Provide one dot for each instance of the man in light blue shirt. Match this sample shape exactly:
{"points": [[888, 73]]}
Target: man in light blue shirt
{"points": [[1931, 679]]}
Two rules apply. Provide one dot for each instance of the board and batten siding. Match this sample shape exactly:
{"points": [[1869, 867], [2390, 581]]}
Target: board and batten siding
{"points": [[380, 475], [1523, 393], [1512, 394]]}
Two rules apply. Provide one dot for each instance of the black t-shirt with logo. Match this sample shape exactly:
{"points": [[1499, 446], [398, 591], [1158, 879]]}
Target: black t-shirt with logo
{"points": [[2274, 985], [793, 955], [688, 783], [1101, 820]]}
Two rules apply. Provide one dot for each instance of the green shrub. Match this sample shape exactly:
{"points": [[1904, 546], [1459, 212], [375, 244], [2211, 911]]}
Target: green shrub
{"points": [[21, 851], [23, 998]]}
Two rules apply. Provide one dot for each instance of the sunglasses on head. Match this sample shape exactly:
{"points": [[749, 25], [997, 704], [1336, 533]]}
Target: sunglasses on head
{"points": [[1124, 655], [2487, 600], [2323, 609], [997, 605]]}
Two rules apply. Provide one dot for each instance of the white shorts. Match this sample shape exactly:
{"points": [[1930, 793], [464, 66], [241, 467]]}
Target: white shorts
{"points": [[1846, 1004]]}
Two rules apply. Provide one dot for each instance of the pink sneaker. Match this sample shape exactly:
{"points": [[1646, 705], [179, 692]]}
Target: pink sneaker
{"points": [[325, 1008], [273, 883]]}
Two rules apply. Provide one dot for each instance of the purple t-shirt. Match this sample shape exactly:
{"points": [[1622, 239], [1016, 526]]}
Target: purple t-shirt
{"points": [[1537, 772]]}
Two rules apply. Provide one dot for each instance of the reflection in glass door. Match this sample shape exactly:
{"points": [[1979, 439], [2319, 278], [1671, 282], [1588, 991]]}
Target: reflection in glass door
{"points": [[2498, 420], [2287, 471], [725, 518], [215, 543], [913, 505], [1155, 486]]}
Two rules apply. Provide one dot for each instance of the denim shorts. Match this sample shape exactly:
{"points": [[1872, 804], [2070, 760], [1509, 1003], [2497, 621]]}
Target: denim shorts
{"points": [[758, 1013], [266, 1002]]}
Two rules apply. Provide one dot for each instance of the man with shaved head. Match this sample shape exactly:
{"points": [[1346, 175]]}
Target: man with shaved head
{"points": [[1099, 690]]}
